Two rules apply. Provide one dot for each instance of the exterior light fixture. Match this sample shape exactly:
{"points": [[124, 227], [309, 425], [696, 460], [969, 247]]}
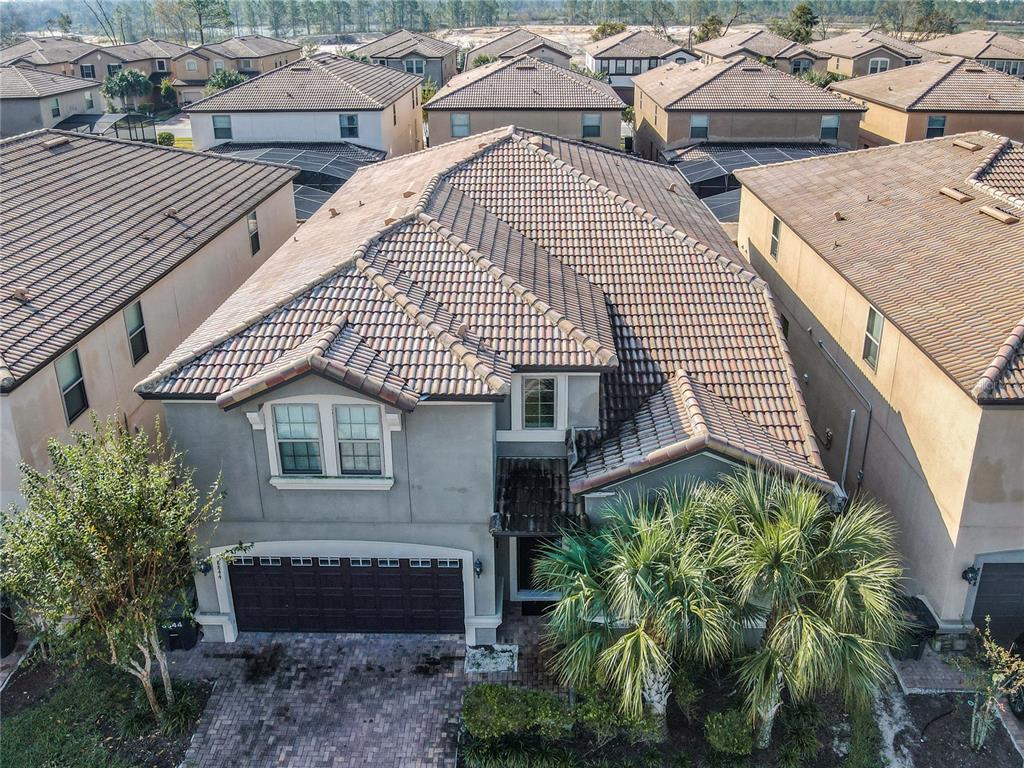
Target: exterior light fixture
{"points": [[478, 567], [970, 575]]}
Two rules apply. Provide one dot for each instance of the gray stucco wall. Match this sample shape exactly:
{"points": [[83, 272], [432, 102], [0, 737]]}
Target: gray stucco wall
{"points": [[433, 69], [19, 116]]}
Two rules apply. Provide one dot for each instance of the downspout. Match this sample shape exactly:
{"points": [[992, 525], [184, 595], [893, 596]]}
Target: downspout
{"points": [[867, 404], [846, 451]]}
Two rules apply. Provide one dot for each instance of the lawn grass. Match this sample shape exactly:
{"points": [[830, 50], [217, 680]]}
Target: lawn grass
{"points": [[183, 142]]}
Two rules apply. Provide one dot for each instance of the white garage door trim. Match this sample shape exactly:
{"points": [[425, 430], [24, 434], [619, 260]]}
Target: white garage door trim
{"points": [[334, 548]]}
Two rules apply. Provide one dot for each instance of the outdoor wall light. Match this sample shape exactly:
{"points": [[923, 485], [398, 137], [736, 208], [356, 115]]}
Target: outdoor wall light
{"points": [[970, 575], [478, 566], [205, 567]]}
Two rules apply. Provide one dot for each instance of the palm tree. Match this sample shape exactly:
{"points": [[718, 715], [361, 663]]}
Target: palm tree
{"points": [[645, 592], [828, 583], [126, 84]]}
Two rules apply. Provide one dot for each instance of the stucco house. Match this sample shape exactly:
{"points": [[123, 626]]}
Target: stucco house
{"points": [[323, 98], [518, 41], [96, 288], [449, 363], [940, 97], [248, 54], [738, 100], [530, 93], [152, 57], [629, 53], [993, 49], [782, 53], [62, 55], [898, 272], [417, 54], [867, 53], [31, 99]]}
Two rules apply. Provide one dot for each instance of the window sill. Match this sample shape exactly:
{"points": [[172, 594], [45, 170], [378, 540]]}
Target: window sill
{"points": [[530, 435], [299, 483]]}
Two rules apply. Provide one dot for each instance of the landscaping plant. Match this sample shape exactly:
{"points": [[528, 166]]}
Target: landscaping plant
{"points": [[729, 732], [126, 85], [993, 673], [104, 542], [165, 139], [221, 79]]}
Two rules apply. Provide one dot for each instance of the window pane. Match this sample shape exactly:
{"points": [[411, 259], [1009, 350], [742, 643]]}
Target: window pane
{"points": [[222, 126], [253, 225], [133, 317], [69, 370], [591, 126], [460, 124], [699, 126], [359, 443], [349, 125], [297, 422], [300, 458], [538, 403]]}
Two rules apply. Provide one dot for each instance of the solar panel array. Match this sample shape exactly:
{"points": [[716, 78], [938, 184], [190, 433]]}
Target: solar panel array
{"points": [[707, 161]]}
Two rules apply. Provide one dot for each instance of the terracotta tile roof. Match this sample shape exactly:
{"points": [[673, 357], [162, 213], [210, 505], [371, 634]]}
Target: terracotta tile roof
{"points": [[86, 227], [29, 83], [946, 84], [250, 46], [683, 418], [524, 82], [633, 43], [324, 82], [736, 84], [532, 496], [401, 43], [977, 44], [855, 44], [513, 43], [755, 43], [46, 50], [936, 268], [148, 49], [460, 263]]}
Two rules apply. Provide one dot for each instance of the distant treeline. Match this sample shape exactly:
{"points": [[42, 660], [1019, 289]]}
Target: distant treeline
{"points": [[188, 20]]}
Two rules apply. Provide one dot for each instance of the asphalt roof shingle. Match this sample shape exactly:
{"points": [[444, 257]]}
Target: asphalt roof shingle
{"points": [[85, 228], [29, 83], [402, 43], [325, 82], [948, 275], [524, 82], [513, 43]]}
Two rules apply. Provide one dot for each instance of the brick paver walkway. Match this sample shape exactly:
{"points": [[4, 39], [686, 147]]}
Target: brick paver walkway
{"points": [[388, 701]]}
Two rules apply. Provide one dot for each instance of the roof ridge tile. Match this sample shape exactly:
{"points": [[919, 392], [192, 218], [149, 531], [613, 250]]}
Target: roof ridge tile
{"points": [[1014, 343]]}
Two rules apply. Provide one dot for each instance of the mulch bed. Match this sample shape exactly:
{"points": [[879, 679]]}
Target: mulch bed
{"points": [[941, 729]]}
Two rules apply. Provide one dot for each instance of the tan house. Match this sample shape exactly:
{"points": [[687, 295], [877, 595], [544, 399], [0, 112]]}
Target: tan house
{"points": [[525, 92], [631, 53], [936, 98], [97, 288], [739, 100], [249, 54], [867, 53], [992, 49], [518, 41], [414, 53], [153, 58], [31, 99], [780, 52], [897, 271], [62, 55]]}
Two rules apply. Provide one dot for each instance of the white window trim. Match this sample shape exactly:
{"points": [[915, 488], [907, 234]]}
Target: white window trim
{"points": [[882, 61], [332, 479], [518, 433]]}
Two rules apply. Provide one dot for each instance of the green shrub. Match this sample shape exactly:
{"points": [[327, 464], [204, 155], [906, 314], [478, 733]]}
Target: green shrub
{"points": [[686, 693], [136, 723], [180, 717], [729, 732], [516, 754], [865, 742], [799, 725], [165, 139], [491, 712], [599, 715]]}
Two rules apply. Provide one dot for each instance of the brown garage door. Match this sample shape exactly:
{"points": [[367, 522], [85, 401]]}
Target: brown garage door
{"points": [[340, 594], [1001, 596]]}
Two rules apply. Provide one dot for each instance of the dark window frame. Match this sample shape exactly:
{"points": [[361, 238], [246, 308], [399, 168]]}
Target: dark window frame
{"points": [[77, 386], [138, 341]]}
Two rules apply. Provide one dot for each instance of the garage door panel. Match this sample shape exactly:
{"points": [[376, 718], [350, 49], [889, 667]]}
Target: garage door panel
{"points": [[1000, 595]]}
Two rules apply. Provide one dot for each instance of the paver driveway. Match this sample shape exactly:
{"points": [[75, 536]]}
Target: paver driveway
{"points": [[389, 701]]}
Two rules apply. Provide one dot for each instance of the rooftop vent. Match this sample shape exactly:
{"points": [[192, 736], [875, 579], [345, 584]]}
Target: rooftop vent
{"points": [[970, 146], [750, 69], [408, 193], [20, 294], [956, 194], [975, 68], [56, 142], [334, 212], [838, 216], [300, 68], [999, 214], [171, 213]]}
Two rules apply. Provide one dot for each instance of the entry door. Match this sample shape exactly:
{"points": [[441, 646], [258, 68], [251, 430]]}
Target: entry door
{"points": [[529, 549]]}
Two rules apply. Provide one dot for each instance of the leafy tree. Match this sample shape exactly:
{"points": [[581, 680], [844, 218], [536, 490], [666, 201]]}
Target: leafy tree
{"points": [[221, 79], [628, 115], [105, 539], [126, 84], [822, 79], [167, 92], [208, 14], [800, 25], [482, 59], [602, 76], [607, 29], [709, 29], [310, 48], [62, 22], [993, 673]]}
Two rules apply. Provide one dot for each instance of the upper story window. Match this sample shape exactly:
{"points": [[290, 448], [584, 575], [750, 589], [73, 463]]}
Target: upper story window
{"points": [[394, 114], [380, 61], [773, 248], [936, 126], [359, 439], [620, 66], [297, 431], [90, 100], [222, 126], [538, 403], [460, 124], [829, 127], [878, 64], [55, 107], [136, 327], [191, 65], [652, 63], [218, 65], [113, 69], [161, 65], [349, 126], [873, 337], [246, 64], [699, 126], [802, 65], [591, 126], [72, 385], [415, 66], [88, 71], [253, 225]]}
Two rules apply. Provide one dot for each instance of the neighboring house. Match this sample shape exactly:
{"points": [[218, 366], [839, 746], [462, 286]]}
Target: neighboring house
{"points": [[936, 98], [414, 53], [630, 53], [113, 253], [63, 56], [249, 54], [993, 49], [781, 53], [472, 351], [529, 93], [153, 58], [34, 98], [866, 53], [737, 100], [324, 98], [898, 271], [519, 41]]}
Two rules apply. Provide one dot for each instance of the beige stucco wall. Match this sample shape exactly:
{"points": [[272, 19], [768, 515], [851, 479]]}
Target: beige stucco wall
{"points": [[172, 308], [402, 124], [883, 124], [565, 123], [855, 67], [932, 450]]}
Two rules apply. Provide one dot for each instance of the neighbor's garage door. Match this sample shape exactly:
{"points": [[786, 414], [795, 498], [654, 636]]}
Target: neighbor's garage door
{"points": [[340, 594], [1001, 596]]}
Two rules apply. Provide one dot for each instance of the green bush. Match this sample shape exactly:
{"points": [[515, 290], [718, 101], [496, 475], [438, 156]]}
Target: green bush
{"points": [[729, 732], [799, 725], [516, 754], [165, 139], [491, 712], [686, 693], [180, 717], [599, 715], [865, 742]]}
